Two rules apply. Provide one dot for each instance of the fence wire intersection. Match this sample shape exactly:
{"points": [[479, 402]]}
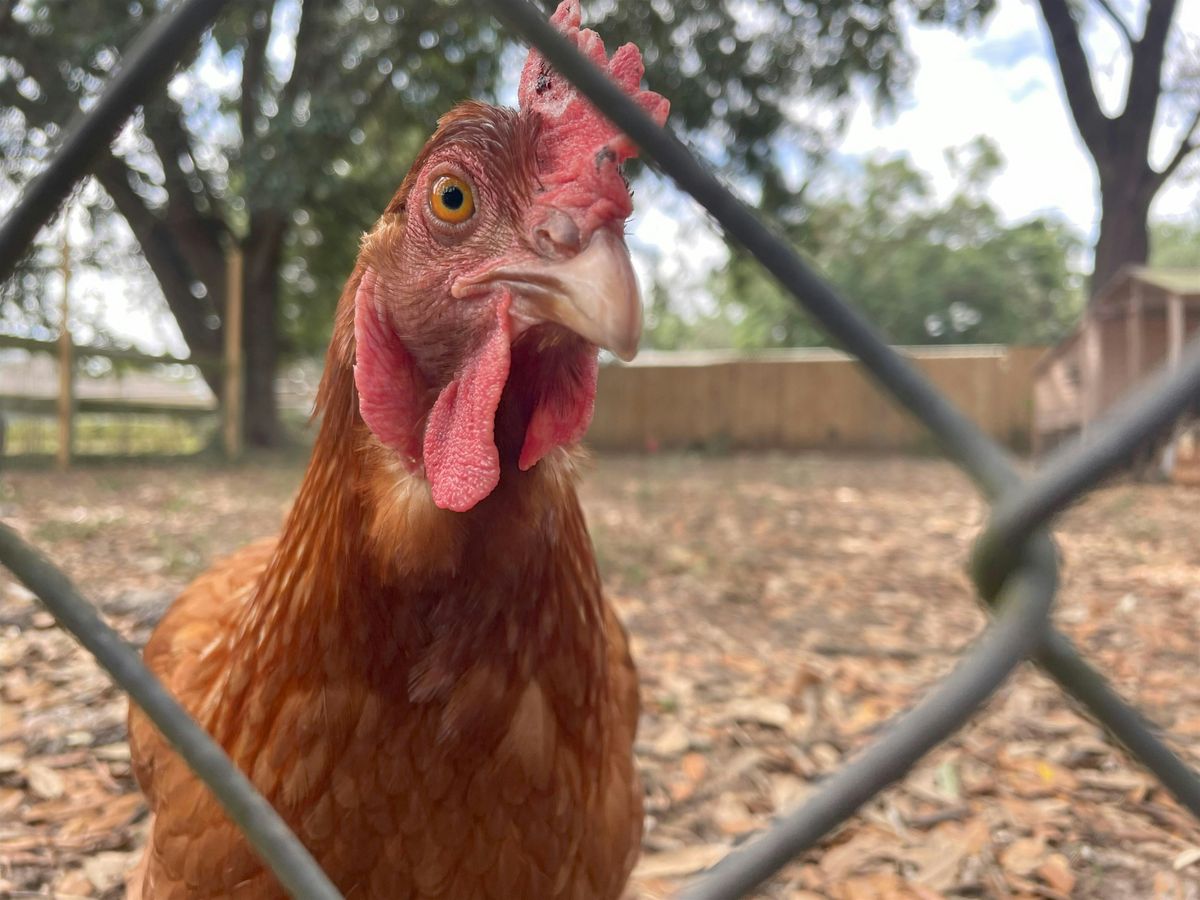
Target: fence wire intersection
{"points": [[1014, 564]]}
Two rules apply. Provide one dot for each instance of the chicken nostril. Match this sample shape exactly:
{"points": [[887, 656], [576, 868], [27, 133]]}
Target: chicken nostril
{"points": [[557, 236]]}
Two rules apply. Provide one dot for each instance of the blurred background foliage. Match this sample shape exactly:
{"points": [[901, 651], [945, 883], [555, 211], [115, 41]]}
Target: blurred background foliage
{"points": [[294, 120], [926, 271]]}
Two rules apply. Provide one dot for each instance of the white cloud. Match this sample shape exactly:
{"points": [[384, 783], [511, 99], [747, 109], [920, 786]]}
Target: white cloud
{"points": [[1000, 82], [1003, 83], [671, 236]]}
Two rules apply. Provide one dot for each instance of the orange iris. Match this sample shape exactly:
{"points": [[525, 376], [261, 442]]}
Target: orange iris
{"points": [[451, 199]]}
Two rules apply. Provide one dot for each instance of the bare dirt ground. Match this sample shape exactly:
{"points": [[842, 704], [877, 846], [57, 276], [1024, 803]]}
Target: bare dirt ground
{"points": [[781, 608]]}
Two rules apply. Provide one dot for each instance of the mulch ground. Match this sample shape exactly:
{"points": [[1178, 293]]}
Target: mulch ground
{"points": [[781, 610]]}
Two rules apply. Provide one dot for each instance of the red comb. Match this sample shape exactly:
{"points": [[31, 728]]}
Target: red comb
{"points": [[579, 145]]}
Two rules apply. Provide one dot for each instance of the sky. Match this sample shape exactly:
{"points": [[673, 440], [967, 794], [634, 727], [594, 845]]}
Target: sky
{"points": [[999, 81], [1003, 83]]}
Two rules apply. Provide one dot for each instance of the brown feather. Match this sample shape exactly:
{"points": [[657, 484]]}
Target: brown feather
{"points": [[441, 704]]}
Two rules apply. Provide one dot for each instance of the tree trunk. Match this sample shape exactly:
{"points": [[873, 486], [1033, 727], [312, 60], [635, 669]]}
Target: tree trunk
{"points": [[1120, 146], [260, 333], [186, 250], [1124, 237], [178, 257]]}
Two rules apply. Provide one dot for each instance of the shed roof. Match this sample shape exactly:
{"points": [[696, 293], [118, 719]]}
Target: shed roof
{"points": [[1182, 282], [1185, 282], [808, 354], [1176, 281]]}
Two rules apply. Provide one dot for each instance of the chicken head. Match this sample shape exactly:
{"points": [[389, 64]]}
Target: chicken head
{"points": [[493, 277]]}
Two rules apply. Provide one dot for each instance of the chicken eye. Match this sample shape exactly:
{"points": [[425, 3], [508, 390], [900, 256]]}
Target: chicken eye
{"points": [[451, 199]]}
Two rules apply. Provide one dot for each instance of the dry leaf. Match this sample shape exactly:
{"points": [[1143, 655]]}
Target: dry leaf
{"points": [[856, 854], [1167, 886], [1034, 777], [113, 752], [1188, 857], [671, 741], [44, 781], [1056, 872], [677, 863], [731, 816], [1023, 856], [940, 855], [760, 710], [880, 886], [694, 766], [106, 870], [73, 883]]}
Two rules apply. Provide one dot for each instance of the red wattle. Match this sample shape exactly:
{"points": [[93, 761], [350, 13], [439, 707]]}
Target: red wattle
{"points": [[459, 450], [390, 389], [461, 459], [564, 402]]}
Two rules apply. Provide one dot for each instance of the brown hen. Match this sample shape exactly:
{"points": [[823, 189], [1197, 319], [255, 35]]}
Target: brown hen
{"points": [[421, 673]]}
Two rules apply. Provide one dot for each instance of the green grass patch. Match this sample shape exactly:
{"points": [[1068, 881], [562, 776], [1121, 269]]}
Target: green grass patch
{"points": [[98, 434]]}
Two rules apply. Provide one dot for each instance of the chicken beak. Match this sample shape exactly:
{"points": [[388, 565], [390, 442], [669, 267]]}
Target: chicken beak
{"points": [[593, 293]]}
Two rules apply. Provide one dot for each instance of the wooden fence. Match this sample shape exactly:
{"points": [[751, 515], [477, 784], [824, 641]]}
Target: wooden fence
{"points": [[67, 403], [802, 399]]}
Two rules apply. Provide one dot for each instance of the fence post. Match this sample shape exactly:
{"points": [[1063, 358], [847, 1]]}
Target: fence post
{"points": [[66, 361], [1093, 367], [1176, 328], [1134, 326], [232, 399]]}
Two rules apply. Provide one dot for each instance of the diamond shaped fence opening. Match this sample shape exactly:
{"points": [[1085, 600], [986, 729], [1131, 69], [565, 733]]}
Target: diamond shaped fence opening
{"points": [[1014, 565]]}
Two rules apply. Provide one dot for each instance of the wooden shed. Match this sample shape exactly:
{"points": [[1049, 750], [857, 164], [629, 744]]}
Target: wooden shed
{"points": [[1138, 322]]}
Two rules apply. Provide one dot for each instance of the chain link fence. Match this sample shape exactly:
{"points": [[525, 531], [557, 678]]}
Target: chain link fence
{"points": [[1014, 565]]}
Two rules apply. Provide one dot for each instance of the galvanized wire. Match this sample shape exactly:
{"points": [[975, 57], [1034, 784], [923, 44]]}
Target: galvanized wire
{"points": [[986, 462], [1014, 564], [266, 831], [147, 63], [1005, 553], [1028, 596], [144, 66], [1074, 469]]}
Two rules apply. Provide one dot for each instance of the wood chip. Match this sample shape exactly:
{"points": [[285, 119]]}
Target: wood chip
{"points": [[1023, 856], [107, 870], [1056, 872], [1188, 857], [44, 781], [761, 711], [681, 862]]}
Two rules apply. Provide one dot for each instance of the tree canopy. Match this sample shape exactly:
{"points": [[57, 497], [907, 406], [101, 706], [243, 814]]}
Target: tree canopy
{"points": [[926, 271], [295, 119], [1176, 244], [1163, 83]]}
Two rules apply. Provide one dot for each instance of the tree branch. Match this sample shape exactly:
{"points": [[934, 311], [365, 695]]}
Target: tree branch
{"points": [[1189, 142], [306, 61], [1076, 75], [329, 150], [194, 250], [1145, 78], [164, 127], [1115, 18], [197, 233], [167, 260], [254, 66]]}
